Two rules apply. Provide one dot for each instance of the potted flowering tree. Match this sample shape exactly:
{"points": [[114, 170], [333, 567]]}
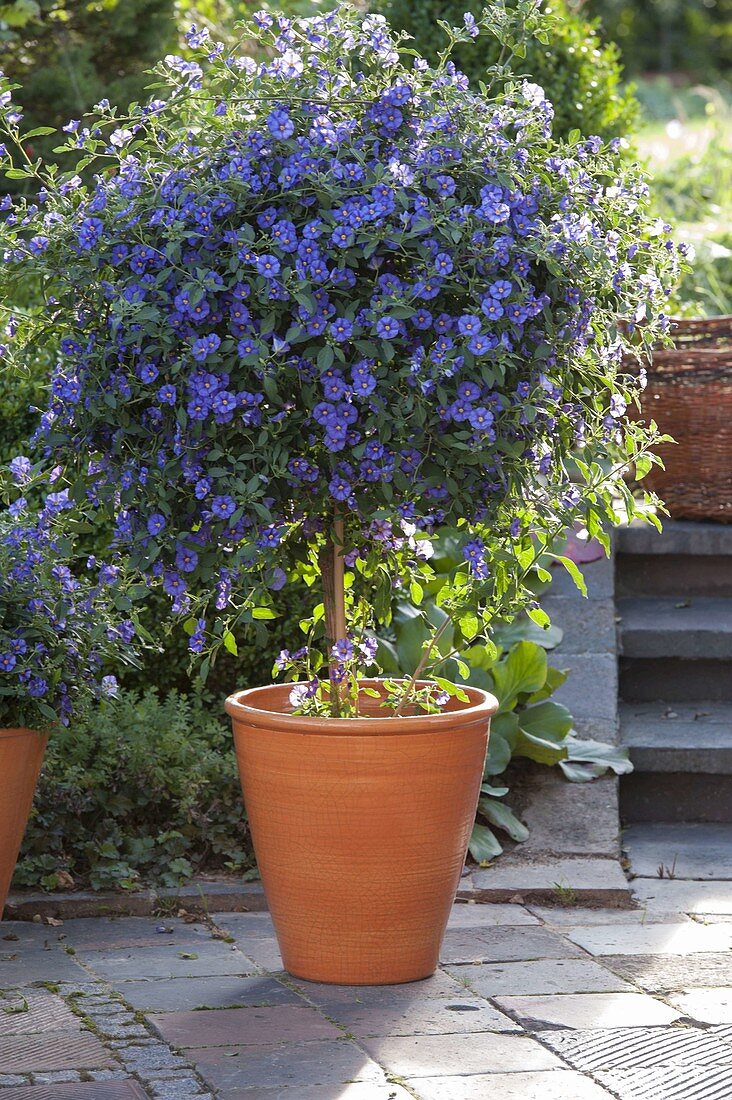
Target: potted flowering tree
{"points": [[58, 631], [306, 311]]}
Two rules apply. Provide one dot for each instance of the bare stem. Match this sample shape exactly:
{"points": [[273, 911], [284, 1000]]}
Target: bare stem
{"points": [[423, 662], [332, 572]]}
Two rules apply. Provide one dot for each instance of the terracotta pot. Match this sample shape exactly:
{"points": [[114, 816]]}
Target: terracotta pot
{"points": [[21, 756], [360, 828]]}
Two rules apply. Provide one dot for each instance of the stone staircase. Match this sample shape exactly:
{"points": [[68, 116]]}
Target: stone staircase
{"points": [[674, 605]]}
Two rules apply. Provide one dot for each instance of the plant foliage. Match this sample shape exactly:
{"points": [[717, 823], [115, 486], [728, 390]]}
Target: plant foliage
{"points": [[337, 287]]}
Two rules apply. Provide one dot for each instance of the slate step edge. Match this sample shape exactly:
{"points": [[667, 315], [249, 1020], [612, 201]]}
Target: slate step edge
{"points": [[672, 627], [222, 897], [669, 738], [677, 537]]}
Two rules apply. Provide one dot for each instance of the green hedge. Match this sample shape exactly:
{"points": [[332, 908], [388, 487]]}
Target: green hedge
{"points": [[580, 73]]}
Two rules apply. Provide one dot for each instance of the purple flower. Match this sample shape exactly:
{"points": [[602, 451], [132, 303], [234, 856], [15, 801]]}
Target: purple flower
{"points": [[223, 507], [339, 488], [269, 266], [205, 346], [156, 523], [7, 662], [387, 328]]}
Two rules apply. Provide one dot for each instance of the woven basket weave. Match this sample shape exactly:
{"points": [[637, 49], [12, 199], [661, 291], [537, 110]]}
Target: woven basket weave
{"points": [[689, 395]]}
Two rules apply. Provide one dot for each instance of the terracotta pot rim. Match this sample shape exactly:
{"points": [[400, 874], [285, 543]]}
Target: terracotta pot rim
{"points": [[242, 705], [20, 731]]}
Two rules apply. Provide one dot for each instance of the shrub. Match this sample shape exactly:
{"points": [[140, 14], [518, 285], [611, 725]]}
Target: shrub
{"points": [[147, 793], [580, 73], [315, 292]]}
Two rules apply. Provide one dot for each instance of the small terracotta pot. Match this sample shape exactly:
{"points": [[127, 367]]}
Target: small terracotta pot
{"points": [[360, 828], [21, 756]]}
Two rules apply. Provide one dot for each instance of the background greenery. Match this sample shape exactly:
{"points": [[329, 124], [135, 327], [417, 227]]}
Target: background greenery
{"points": [[91, 822]]}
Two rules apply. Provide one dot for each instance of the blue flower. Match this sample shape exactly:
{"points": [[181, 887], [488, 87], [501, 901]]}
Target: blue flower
{"points": [[223, 507], [156, 523], [205, 346], [269, 266]]}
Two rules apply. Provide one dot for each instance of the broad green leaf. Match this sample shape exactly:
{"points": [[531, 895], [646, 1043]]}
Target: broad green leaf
{"points": [[549, 720], [524, 670], [581, 773], [263, 613], [523, 629], [230, 643], [539, 749], [387, 658], [504, 818], [483, 845], [493, 792], [555, 677], [601, 753]]}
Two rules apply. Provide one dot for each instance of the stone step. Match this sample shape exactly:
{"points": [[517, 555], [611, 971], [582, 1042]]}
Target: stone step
{"points": [[691, 851], [679, 537], [675, 796], [683, 737], [674, 678], [693, 628], [669, 574]]}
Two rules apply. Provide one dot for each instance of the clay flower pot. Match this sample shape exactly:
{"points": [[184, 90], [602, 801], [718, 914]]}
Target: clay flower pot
{"points": [[21, 756], [360, 828]]}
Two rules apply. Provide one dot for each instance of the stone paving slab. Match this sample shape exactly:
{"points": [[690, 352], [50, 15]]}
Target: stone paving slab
{"points": [[579, 819], [504, 945], [667, 895], [253, 1026], [691, 851], [557, 1084], [595, 881], [439, 985], [112, 933], [355, 1091], [21, 967], [450, 1055], [180, 994], [561, 918], [653, 939], [472, 915], [587, 1010], [325, 1063], [539, 977], [657, 973], [190, 960], [438, 1016], [711, 1006]]}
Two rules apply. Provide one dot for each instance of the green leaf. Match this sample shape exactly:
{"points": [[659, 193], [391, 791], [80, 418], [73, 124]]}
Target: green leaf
{"points": [[416, 592], [549, 720], [483, 845], [39, 131], [601, 753], [230, 643], [643, 465], [452, 689], [539, 749], [263, 613], [387, 658], [504, 818], [574, 572], [524, 630], [523, 670]]}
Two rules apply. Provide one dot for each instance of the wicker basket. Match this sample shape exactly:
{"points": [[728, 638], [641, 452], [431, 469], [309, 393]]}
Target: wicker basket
{"points": [[689, 395]]}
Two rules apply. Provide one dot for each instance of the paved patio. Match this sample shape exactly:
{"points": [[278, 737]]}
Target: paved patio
{"points": [[531, 1003]]}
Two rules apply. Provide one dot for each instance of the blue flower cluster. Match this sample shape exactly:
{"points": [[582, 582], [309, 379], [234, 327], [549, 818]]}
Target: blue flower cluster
{"points": [[58, 630], [332, 282]]}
